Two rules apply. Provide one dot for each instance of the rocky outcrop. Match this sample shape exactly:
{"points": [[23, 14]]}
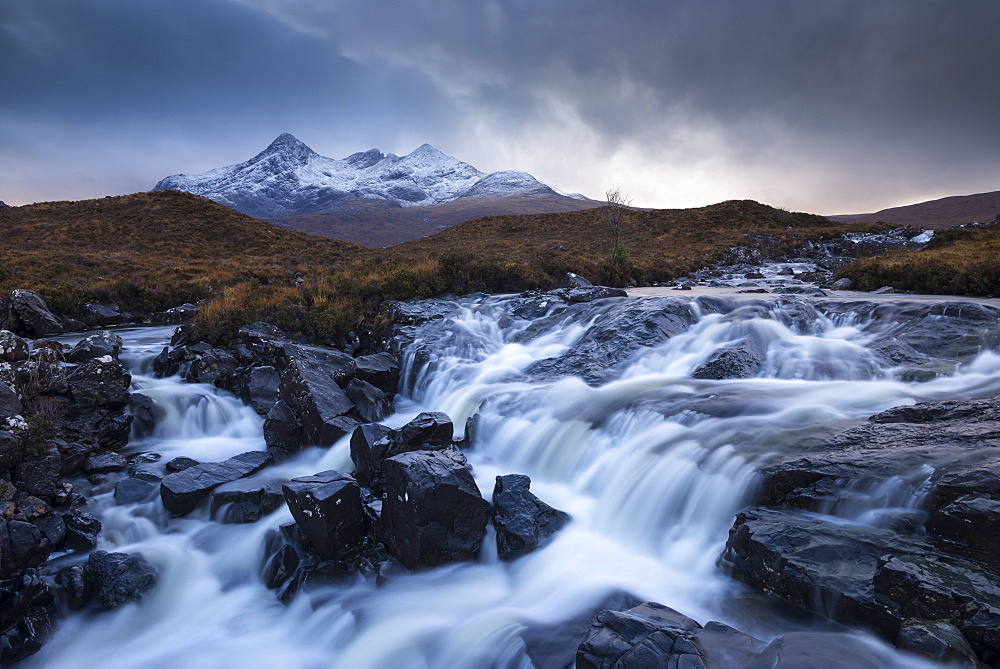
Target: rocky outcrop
{"points": [[739, 361], [182, 491], [31, 316], [107, 580], [522, 521], [327, 507]]}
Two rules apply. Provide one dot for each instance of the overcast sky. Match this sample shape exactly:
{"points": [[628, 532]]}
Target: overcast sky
{"points": [[838, 106]]}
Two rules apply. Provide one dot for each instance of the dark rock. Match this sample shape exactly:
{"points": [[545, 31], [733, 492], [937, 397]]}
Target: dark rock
{"points": [[433, 513], [281, 565], [12, 347], [180, 463], [817, 649], [428, 429], [591, 293], [245, 502], [176, 315], [522, 521], [97, 345], [37, 377], [841, 284], [136, 490], [473, 424], [106, 463], [327, 508], [369, 445], [26, 615], [31, 508], [211, 366], [260, 390], [753, 275], [53, 527], [571, 280], [262, 344], [282, 430], [10, 403], [39, 475], [937, 640], [71, 586], [973, 521], [102, 382], [739, 361], [379, 369], [182, 491], [82, 530], [22, 545], [146, 413], [309, 389], [371, 403], [32, 311], [114, 579], [106, 314]]}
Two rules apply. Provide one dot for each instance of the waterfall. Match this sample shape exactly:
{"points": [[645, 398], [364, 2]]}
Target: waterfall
{"points": [[652, 465]]}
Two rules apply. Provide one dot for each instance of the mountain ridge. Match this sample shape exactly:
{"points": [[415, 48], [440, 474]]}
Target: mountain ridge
{"points": [[934, 214], [288, 178]]}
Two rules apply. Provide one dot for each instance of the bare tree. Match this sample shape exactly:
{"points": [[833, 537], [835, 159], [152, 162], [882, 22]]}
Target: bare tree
{"points": [[612, 216]]}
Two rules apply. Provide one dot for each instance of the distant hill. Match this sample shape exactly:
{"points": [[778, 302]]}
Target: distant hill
{"points": [[934, 214], [150, 251], [369, 197]]}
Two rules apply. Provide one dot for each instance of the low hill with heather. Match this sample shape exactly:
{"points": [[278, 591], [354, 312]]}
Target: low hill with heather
{"points": [[935, 214], [150, 251]]}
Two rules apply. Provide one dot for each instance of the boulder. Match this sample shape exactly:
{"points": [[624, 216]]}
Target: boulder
{"points": [[973, 521], [22, 546], [26, 615], [101, 382], [433, 512], [213, 365], [31, 309], [11, 450], [114, 579], [12, 347], [841, 284], [591, 293], [260, 390], [371, 403], [245, 502], [738, 361], [53, 527], [182, 491], [146, 413], [327, 507], [38, 474], [82, 530], [180, 463], [572, 280], [105, 314], [97, 345], [379, 369], [282, 430], [937, 640], [309, 389], [369, 444], [10, 403], [176, 315], [142, 487], [106, 463], [818, 649], [522, 521]]}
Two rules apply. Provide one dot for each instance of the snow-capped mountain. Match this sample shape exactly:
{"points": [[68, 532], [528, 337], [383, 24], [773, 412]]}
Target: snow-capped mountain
{"points": [[288, 178]]}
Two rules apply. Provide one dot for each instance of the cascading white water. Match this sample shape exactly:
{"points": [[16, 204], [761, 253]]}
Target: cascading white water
{"points": [[652, 467]]}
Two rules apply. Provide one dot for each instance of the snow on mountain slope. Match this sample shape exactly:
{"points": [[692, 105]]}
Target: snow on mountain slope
{"points": [[289, 178]]}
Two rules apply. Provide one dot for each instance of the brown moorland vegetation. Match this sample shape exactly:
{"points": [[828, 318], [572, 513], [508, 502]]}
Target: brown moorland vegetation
{"points": [[957, 261], [935, 214]]}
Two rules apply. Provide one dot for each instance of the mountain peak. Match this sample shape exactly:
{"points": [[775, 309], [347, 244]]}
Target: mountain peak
{"points": [[287, 144]]}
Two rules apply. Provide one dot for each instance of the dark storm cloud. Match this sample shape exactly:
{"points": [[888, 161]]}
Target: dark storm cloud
{"points": [[834, 105]]}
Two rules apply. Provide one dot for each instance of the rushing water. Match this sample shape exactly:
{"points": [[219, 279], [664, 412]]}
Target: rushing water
{"points": [[652, 466]]}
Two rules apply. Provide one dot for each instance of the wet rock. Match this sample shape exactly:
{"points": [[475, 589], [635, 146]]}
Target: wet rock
{"points": [[26, 614], [522, 521], [973, 521], [22, 546], [106, 463], [282, 430], [433, 512], [260, 389], [114, 579], [146, 413], [428, 429], [12, 347], [817, 649], [37, 318], [102, 382], [327, 507], [82, 531], [571, 280], [309, 389], [261, 344], [10, 403], [180, 463], [38, 475], [213, 365], [379, 369], [245, 502], [369, 444], [105, 314], [841, 284], [97, 345], [53, 527], [937, 640], [371, 403], [176, 315], [137, 489], [739, 361], [591, 293], [182, 491]]}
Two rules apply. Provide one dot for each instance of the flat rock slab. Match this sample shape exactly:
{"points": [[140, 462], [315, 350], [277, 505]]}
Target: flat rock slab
{"points": [[182, 491]]}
